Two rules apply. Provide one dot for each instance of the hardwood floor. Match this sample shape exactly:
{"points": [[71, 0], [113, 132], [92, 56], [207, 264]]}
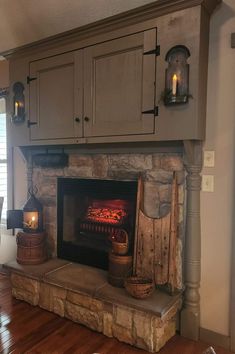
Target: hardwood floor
{"points": [[29, 329]]}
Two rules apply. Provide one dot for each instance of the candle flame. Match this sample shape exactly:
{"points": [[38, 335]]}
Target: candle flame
{"points": [[175, 77], [33, 218], [17, 104]]}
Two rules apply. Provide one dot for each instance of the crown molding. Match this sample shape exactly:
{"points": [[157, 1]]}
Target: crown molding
{"points": [[143, 13]]}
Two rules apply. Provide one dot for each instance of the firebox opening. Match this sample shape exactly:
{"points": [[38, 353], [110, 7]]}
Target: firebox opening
{"points": [[89, 213]]}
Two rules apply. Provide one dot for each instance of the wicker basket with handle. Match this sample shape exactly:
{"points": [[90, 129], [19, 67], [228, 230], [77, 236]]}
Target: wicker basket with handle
{"points": [[138, 287], [120, 242]]}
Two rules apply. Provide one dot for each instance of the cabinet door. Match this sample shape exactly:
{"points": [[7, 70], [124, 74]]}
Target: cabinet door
{"points": [[119, 84], [56, 97]]}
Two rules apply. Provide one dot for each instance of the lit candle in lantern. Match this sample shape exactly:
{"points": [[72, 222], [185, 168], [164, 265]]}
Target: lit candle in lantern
{"points": [[16, 108], [33, 222], [174, 84]]}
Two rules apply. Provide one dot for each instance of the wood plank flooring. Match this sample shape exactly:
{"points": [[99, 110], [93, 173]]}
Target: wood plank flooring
{"points": [[29, 329]]}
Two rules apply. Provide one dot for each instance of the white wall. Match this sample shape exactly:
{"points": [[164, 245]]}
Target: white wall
{"points": [[218, 208], [7, 248], [7, 241]]}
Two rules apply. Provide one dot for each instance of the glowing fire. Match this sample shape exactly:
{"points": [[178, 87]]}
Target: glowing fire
{"points": [[106, 215]]}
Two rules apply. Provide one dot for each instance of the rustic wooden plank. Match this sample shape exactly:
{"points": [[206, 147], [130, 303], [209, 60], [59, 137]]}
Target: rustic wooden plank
{"points": [[232, 40], [158, 251], [161, 267], [139, 205], [145, 248], [165, 247], [173, 235], [156, 247]]}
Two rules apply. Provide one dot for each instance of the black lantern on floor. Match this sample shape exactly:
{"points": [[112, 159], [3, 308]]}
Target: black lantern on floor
{"points": [[29, 219], [177, 76], [32, 215]]}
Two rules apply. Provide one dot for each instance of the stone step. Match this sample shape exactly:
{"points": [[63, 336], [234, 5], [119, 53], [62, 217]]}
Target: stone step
{"points": [[82, 294]]}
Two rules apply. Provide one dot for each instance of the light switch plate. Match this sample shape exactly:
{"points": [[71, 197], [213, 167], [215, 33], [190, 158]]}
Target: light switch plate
{"points": [[207, 183], [209, 158]]}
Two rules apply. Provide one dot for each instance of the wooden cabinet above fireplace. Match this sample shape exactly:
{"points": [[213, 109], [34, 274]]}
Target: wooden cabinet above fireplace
{"points": [[94, 92], [104, 82]]}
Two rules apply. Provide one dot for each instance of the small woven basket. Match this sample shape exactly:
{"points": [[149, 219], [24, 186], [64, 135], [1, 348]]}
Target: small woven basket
{"points": [[139, 288]]}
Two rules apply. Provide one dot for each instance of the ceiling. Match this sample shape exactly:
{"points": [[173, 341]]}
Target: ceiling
{"points": [[26, 21]]}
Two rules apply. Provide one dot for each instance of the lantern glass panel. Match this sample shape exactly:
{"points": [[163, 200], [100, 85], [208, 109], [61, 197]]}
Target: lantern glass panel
{"points": [[32, 214], [177, 76], [30, 220], [18, 115]]}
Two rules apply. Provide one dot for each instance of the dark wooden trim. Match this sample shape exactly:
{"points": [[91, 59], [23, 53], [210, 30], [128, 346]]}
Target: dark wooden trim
{"points": [[232, 40], [124, 148], [214, 338], [139, 14], [4, 92]]}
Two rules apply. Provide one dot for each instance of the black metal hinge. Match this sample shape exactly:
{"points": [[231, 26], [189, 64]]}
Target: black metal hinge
{"points": [[155, 51], [152, 111], [29, 79], [30, 123]]}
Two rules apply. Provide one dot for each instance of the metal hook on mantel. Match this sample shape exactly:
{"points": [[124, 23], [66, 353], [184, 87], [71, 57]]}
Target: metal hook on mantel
{"points": [[51, 159]]}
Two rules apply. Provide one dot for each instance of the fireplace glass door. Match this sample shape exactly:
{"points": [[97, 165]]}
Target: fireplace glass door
{"points": [[89, 213]]}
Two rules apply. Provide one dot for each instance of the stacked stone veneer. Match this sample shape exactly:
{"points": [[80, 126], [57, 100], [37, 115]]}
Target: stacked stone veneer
{"points": [[136, 327], [156, 169]]}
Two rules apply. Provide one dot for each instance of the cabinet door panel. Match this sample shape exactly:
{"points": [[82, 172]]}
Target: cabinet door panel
{"points": [[119, 83], [56, 97]]}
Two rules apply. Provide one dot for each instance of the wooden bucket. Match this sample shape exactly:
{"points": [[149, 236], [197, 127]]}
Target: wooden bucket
{"points": [[120, 267], [30, 239], [118, 247], [31, 248]]}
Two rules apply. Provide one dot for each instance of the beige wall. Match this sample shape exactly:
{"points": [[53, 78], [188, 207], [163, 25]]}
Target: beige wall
{"points": [[218, 207], [25, 21]]}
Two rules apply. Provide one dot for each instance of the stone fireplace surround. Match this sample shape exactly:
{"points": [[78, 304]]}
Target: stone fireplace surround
{"points": [[157, 170]]}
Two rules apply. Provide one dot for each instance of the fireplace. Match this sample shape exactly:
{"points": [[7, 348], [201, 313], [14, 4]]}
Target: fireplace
{"points": [[89, 213]]}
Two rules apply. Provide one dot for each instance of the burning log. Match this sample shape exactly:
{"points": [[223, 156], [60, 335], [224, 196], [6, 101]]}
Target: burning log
{"points": [[106, 215]]}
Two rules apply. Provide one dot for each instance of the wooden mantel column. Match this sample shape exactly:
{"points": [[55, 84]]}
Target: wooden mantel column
{"points": [[190, 315]]}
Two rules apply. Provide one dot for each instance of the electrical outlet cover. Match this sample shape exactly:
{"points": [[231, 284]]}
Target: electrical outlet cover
{"points": [[209, 158], [208, 183]]}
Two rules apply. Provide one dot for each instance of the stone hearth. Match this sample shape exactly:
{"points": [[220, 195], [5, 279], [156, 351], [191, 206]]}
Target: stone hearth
{"points": [[82, 294]]}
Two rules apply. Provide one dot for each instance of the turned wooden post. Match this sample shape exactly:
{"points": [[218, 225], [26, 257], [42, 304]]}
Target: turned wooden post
{"points": [[190, 315]]}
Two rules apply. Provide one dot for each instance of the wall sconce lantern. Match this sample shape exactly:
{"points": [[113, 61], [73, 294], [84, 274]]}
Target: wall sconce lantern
{"points": [[29, 218], [177, 76], [18, 115]]}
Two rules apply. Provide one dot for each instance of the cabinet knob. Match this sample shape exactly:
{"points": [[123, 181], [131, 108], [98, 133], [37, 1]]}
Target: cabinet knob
{"points": [[86, 119], [77, 119]]}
